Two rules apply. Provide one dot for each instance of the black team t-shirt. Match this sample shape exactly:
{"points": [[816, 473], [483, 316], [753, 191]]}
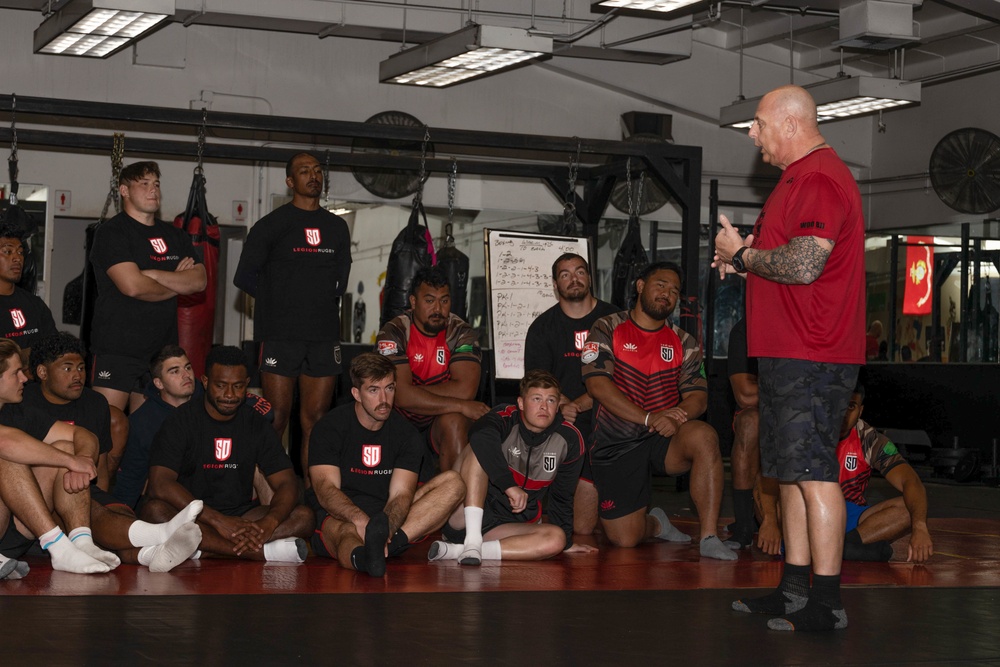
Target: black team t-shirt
{"points": [[554, 343], [215, 460], [124, 325], [24, 318], [35, 423], [296, 264], [89, 411], [366, 458]]}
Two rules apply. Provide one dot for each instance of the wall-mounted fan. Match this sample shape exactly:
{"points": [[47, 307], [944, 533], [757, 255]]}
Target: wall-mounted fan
{"points": [[965, 170], [384, 182], [654, 196]]}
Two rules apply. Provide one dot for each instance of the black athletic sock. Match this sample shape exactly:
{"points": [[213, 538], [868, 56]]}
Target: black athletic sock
{"points": [[878, 552], [815, 616], [743, 527], [790, 596], [399, 543], [853, 537], [358, 559], [826, 590], [376, 535]]}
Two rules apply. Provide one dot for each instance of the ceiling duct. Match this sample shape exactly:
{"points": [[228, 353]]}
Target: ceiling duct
{"points": [[877, 25]]}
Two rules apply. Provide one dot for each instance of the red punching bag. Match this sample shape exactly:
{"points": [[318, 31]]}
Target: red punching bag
{"points": [[196, 312]]}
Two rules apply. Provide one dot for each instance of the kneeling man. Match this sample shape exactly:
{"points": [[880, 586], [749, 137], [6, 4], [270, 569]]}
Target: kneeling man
{"points": [[364, 459]]}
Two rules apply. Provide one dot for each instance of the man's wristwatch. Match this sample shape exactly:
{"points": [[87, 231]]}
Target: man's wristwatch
{"points": [[737, 260]]}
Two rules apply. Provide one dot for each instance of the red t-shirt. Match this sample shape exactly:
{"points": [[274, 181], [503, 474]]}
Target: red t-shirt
{"points": [[825, 320]]}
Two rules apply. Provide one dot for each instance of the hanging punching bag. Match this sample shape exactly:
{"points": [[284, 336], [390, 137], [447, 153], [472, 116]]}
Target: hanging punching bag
{"points": [[455, 265], [630, 260], [196, 312], [411, 251], [26, 226]]}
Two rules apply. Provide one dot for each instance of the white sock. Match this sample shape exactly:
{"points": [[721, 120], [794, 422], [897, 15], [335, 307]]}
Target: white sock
{"points": [[287, 550], [473, 525], [66, 557], [82, 540], [491, 550], [196, 555], [145, 534], [20, 571], [177, 549], [667, 530], [445, 551]]}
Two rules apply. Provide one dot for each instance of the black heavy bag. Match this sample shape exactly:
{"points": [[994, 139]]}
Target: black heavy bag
{"points": [[26, 226], [411, 251], [455, 265], [87, 282], [196, 312], [630, 260]]}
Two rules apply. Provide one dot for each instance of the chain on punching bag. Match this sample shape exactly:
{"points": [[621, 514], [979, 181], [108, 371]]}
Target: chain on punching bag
{"points": [[452, 261], [631, 258]]}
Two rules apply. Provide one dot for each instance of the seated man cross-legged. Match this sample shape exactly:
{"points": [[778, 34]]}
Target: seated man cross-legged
{"points": [[363, 461], [209, 449], [515, 453]]}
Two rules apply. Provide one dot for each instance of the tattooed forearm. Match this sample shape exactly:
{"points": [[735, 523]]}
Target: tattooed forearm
{"points": [[799, 262]]}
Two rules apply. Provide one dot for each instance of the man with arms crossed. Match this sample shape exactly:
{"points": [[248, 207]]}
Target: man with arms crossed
{"points": [[437, 362]]}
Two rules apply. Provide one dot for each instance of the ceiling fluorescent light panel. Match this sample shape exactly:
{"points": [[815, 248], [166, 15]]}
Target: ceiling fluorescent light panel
{"points": [[651, 8], [472, 52], [843, 97], [99, 28]]}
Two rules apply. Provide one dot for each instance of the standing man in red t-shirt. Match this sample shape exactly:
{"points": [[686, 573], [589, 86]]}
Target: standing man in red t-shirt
{"points": [[805, 272]]}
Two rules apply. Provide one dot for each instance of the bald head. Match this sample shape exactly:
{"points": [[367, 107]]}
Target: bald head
{"points": [[785, 126], [795, 101]]}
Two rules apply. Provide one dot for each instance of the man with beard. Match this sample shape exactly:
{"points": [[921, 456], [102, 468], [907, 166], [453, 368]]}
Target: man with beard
{"points": [[647, 379], [295, 263], [437, 362], [554, 343], [209, 450], [364, 460], [30, 319], [141, 265]]}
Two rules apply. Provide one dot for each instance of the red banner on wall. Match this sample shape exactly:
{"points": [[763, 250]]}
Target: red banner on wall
{"points": [[918, 295]]}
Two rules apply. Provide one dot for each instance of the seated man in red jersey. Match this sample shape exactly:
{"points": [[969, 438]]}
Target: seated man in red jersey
{"points": [[363, 460], [515, 454], [871, 529], [649, 386], [437, 361]]}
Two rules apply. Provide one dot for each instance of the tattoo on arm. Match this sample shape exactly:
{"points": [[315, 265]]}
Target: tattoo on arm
{"points": [[798, 262]]}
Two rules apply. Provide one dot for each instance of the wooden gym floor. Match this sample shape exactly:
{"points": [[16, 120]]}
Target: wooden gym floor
{"points": [[659, 603]]}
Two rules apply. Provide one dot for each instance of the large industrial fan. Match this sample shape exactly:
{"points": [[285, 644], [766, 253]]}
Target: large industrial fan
{"points": [[965, 170], [385, 182]]}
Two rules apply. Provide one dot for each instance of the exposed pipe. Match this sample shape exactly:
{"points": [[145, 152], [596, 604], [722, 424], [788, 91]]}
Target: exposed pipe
{"points": [[665, 31]]}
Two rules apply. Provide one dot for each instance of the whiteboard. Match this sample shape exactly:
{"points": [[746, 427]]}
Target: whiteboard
{"points": [[519, 283]]}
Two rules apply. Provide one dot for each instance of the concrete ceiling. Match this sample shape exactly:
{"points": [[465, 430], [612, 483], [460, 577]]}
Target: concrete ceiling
{"points": [[953, 38]]}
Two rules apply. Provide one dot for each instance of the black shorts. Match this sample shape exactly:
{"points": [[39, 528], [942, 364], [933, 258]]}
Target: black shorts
{"points": [[292, 358], [802, 407], [105, 499], [497, 512], [625, 485], [113, 371], [13, 544]]}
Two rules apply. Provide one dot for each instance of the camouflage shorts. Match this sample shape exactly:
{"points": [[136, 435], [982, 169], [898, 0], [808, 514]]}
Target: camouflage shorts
{"points": [[802, 406]]}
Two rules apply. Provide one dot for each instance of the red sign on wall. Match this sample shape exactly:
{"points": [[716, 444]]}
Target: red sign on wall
{"points": [[918, 295]]}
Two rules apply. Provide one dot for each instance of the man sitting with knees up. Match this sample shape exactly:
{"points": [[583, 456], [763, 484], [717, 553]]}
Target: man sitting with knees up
{"points": [[363, 461], [515, 453], [208, 449]]}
